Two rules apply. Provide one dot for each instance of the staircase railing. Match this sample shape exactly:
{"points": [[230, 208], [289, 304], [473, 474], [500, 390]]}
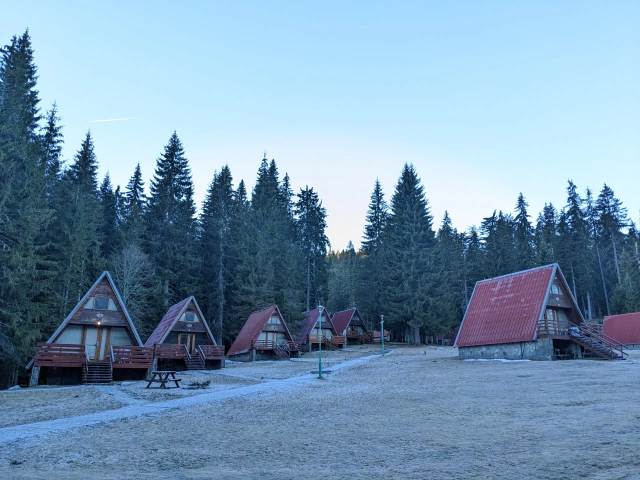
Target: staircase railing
{"points": [[597, 342]]}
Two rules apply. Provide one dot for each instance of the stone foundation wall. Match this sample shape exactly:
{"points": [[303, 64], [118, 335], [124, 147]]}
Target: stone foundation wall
{"points": [[541, 349]]}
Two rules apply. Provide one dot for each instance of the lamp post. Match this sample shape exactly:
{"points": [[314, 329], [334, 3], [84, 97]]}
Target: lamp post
{"points": [[382, 332], [320, 309]]}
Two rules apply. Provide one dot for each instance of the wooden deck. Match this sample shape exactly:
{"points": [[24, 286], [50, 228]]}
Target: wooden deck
{"points": [[60, 355], [131, 357], [211, 352]]}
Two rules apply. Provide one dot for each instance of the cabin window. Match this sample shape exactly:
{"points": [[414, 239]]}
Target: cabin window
{"points": [[112, 305], [274, 320], [119, 336], [71, 335], [101, 303], [555, 289], [551, 314], [89, 304], [189, 317]]}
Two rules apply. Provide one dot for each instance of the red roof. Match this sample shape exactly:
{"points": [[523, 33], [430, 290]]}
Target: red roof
{"points": [[252, 328], [311, 317], [507, 309], [171, 317], [623, 328], [341, 320]]}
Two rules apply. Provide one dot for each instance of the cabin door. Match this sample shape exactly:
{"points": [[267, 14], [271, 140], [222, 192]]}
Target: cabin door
{"points": [[188, 339], [96, 340]]}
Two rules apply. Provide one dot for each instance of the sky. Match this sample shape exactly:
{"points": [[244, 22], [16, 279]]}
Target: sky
{"points": [[486, 99]]}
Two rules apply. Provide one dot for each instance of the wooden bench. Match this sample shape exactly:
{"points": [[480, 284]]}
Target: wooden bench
{"points": [[561, 354], [162, 377]]}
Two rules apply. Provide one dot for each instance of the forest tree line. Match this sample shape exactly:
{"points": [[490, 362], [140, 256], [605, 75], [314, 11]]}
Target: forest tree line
{"points": [[61, 226]]}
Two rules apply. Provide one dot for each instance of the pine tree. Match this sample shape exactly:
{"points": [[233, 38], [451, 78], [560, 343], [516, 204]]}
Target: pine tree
{"points": [[52, 140], [451, 249], [546, 235], [134, 204], [215, 241], [311, 224], [171, 225], [373, 252], [109, 233], [412, 276], [78, 213], [25, 274], [523, 236]]}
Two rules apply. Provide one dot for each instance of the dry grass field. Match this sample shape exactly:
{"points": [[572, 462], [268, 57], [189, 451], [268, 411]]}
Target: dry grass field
{"points": [[415, 413]]}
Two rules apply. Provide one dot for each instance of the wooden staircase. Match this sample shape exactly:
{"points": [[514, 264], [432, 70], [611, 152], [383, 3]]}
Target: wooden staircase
{"points": [[194, 362], [97, 372], [595, 342], [282, 351]]}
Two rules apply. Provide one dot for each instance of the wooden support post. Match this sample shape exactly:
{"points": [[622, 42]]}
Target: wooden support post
{"points": [[35, 376]]}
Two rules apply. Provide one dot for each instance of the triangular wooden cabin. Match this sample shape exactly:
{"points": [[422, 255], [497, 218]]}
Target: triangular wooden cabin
{"points": [[350, 322], [529, 315], [182, 340], [264, 336], [96, 343], [310, 334]]}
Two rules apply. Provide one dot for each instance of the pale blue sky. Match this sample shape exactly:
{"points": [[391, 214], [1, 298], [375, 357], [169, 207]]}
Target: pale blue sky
{"points": [[486, 98]]}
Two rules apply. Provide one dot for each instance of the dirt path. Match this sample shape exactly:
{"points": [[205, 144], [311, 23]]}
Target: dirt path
{"points": [[417, 413]]}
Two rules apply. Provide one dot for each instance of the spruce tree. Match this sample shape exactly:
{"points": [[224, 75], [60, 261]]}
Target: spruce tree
{"points": [[311, 224], [78, 214], [171, 226], [134, 204], [412, 276], [52, 140], [523, 236], [215, 242], [109, 233], [450, 249], [25, 274]]}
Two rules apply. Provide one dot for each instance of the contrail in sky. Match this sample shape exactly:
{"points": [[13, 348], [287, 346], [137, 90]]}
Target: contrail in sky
{"points": [[114, 120]]}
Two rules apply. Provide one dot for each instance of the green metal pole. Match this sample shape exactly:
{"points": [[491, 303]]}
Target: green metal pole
{"points": [[382, 332], [320, 308]]}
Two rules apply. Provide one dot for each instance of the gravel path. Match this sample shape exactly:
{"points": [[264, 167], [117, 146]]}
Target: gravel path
{"points": [[416, 413]]}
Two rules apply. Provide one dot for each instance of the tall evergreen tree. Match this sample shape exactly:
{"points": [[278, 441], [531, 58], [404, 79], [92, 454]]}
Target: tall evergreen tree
{"points": [[523, 236], [215, 241], [373, 251], [311, 222], [412, 276], [52, 140], [451, 249], [24, 214], [109, 233], [79, 217], [171, 225], [134, 203]]}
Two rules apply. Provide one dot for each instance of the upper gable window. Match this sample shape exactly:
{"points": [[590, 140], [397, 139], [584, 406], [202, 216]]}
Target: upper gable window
{"points": [[188, 317], [555, 289], [101, 303], [274, 320]]}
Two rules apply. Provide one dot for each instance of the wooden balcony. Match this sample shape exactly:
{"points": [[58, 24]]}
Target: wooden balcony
{"points": [[211, 352], [60, 355], [131, 357], [170, 351], [554, 329]]}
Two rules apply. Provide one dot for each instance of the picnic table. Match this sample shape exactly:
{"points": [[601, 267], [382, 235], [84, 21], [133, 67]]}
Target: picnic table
{"points": [[162, 377]]}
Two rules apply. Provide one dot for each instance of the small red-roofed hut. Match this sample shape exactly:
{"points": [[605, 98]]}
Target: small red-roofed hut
{"points": [[264, 336], [350, 322], [624, 328], [528, 315], [96, 343], [182, 340], [310, 333]]}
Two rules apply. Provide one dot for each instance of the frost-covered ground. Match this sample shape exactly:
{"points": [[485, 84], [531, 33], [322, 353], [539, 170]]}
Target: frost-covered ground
{"points": [[416, 413]]}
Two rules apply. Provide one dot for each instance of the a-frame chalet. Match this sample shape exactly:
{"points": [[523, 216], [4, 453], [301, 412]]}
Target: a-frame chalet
{"points": [[310, 333], [529, 315], [95, 343], [264, 336], [182, 340], [350, 322]]}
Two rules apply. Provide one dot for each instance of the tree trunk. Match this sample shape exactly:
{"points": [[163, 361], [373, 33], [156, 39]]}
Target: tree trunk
{"points": [[308, 284], [416, 335], [615, 259], [604, 285]]}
